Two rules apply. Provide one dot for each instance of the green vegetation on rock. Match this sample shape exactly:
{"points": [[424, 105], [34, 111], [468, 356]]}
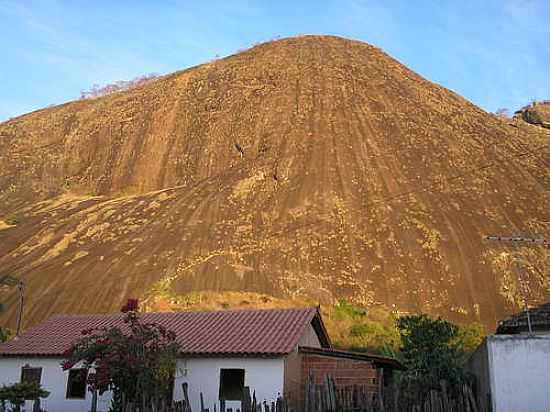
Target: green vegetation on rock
{"points": [[362, 329]]}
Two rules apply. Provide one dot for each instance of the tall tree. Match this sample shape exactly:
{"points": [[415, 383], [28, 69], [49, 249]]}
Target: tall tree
{"points": [[430, 352]]}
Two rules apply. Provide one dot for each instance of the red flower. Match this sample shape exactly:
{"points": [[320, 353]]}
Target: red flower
{"points": [[68, 364], [132, 305], [104, 341]]}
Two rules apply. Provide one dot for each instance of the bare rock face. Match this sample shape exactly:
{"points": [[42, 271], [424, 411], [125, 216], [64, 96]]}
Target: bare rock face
{"points": [[537, 113], [312, 167]]}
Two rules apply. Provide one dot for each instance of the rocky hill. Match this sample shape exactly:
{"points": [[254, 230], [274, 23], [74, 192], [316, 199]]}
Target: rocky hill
{"points": [[306, 168], [537, 113]]}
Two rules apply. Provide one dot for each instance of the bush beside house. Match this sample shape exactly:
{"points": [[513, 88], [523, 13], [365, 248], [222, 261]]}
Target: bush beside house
{"points": [[137, 363]]}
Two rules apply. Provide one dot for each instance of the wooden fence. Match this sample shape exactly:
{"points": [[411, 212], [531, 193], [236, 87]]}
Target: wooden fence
{"points": [[248, 404], [330, 398], [440, 401]]}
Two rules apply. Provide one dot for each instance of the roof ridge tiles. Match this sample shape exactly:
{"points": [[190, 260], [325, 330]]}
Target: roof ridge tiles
{"points": [[147, 314], [264, 332]]}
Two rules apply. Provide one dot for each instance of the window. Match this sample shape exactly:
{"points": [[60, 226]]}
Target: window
{"points": [[31, 375], [231, 384], [76, 385]]}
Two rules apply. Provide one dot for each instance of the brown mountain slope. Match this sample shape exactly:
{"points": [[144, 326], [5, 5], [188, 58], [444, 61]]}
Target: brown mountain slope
{"points": [[537, 113], [308, 167]]}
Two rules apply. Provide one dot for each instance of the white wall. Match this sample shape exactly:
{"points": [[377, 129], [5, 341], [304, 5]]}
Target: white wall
{"points": [[54, 380], [478, 364], [519, 373], [309, 338], [264, 375]]}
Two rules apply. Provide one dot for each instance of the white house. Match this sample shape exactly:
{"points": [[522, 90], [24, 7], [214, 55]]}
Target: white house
{"points": [[270, 351], [512, 367]]}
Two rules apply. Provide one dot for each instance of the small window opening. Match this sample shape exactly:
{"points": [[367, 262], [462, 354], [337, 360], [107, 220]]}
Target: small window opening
{"points": [[76, 385], [31, 375], [231, 384]]}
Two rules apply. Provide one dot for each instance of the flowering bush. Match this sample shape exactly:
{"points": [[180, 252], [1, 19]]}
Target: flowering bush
{"points": [[137, 362]]}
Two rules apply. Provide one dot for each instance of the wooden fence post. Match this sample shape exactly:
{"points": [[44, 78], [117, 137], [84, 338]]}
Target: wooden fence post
{"points": [[380, 380], [202, 402], [307, 394], [246, 404], [186, 405], [472, 398], [254, 405], [94, 401]]}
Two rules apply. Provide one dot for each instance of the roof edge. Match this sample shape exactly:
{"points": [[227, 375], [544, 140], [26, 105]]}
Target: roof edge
{"points": [[122, 314], [181, 355], [320, 329], [362, 356], [316, 322]]}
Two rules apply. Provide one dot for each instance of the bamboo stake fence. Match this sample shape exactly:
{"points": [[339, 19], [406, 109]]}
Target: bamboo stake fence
{"points": [[328, 397], [325, 397]]}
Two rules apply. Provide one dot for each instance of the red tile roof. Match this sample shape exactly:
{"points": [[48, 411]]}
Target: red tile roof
{"points": [[223, 333]]}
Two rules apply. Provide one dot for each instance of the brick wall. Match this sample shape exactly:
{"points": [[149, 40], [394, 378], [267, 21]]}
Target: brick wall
{"points": [[344, 371]]}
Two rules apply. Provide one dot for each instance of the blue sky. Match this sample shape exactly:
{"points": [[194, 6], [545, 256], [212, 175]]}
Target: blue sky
{"points": [[494, 53]]}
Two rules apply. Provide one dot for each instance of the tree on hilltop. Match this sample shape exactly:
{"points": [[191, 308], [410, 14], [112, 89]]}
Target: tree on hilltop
{"points": [[503, 113]]}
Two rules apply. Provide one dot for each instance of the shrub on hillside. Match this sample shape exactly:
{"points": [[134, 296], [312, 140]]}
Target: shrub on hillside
{"points": [[98, 91], [361, 329], [503, 113], [5, 334]]}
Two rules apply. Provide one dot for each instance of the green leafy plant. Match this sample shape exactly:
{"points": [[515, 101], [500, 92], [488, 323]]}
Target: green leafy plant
{"points": [[344, 309], [358, 328], [469, 337], [17, 393], [136, 362], [430, 352]]}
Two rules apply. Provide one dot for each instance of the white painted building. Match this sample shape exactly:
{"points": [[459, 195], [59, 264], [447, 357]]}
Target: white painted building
{"points": [[513, 373], [512, 368], [222, 352], [266, 376], [54, 380]]}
